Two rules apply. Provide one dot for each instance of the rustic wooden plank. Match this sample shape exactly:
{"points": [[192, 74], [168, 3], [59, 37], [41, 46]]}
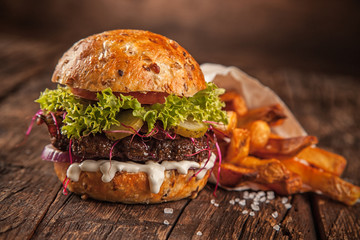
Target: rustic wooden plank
{"points": [[298, 223], [26, 195], [203, 219], [72, 218], [28, 185], [22, 58], [336, 221], [17, 110]]}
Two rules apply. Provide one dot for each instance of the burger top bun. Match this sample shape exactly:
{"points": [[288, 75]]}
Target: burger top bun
{"points": [[130, 61]]}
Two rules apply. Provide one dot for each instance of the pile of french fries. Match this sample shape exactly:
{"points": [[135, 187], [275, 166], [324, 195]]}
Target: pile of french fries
{"points": [[254, 156]]}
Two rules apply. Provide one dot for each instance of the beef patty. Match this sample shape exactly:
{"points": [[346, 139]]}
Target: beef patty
{"points": [[158, 147]]}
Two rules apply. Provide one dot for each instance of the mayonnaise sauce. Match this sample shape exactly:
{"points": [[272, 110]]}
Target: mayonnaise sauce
{"points": [[155, 171]]}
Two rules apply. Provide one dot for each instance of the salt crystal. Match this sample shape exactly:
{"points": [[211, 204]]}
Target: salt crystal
{"points": [[261, 193], [270, 195], [255, 207], [263, 199], [252, 195], [275, 214], [267, 201], [252, 214], [237, 199], [245, 212], [276, 227], [212, 201], [256, 203], [284, 200], [246, 195], [216, 204], [232, 202], [288, 205], [242, 202], [199, 233], [168, 210], [166, 222]]}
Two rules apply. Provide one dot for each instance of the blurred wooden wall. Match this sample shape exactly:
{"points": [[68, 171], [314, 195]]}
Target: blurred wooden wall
{"points": [[321, 35]]}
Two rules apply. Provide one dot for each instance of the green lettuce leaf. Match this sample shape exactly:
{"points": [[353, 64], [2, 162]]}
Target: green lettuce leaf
{"points": [[84, 118]]}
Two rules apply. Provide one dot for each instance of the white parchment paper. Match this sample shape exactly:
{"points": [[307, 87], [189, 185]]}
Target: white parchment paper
{"points": [[254, 93]]}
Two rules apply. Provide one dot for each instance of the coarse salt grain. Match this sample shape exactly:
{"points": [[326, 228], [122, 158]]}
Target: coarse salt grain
{"points": [[287, 205], [252, 214], [252, 195], [255, 207], [245, 212], [168, 210], [216, 204], [246, 195], [237, 199], [284, 200], [276, 227], [212, 201], [262, 199], [267, 201], [256, 203], [270, 195], [166, 222], [242, 202], [232, 202], [199, 233], [261, 193], [275, 214]]}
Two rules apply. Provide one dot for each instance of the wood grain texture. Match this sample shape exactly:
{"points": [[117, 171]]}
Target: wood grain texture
{"points": [[21, 59], [231, 222]]}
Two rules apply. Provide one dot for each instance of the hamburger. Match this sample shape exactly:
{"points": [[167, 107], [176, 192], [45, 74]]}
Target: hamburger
{"points": [[131, 119]]}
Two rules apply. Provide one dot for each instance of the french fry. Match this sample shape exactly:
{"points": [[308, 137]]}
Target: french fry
{"points": [[327, 183], [270, 170], [238, 147], [327, 161], [234, 102], [273, 115], [259, 134], [288, 186], [284, 148], [234, 176], [222, 130], [231, 175]]}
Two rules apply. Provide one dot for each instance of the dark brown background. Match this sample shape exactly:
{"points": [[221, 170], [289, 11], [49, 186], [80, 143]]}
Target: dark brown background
{"points": [[307, 51], [321, 35]]}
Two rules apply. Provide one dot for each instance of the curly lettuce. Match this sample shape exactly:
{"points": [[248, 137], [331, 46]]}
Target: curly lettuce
{"points": [[84, 118]]}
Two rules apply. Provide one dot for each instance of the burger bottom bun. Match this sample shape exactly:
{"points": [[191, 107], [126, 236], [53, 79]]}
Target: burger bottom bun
{"points": [[133, 187]]}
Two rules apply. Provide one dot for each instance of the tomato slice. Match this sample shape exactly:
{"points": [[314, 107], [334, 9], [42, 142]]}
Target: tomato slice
{"points": [[143, 98]]}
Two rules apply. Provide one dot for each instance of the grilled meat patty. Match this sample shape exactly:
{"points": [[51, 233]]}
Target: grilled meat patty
{"points": [[158, 147]]}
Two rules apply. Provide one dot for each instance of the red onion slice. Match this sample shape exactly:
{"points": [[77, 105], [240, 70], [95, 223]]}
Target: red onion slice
{"points": [[50, 153]]}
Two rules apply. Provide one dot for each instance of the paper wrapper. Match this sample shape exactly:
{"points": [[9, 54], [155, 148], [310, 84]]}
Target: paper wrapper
{"points": [[255, 95]]}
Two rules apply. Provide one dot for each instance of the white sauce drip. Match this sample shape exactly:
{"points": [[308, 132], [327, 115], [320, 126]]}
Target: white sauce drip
{"points": [[155, 171]]}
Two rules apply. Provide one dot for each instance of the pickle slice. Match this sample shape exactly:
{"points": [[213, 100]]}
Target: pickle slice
{"points": [[128, 123], [190, 128]]}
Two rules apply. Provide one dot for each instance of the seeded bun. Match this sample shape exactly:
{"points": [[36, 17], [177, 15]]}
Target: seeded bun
{"points": [[133, 187], [130, 61]]}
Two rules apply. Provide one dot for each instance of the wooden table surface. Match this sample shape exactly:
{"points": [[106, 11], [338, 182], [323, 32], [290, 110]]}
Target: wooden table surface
{"points": [[32, 205]]}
